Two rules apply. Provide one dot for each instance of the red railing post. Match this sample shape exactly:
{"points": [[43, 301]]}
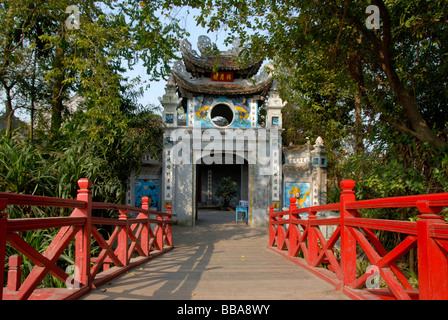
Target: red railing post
{"points": [[83, 242], [293, 239], [348, 242], [122, 246], [432, 260], [14, 272], [3, 236], [144, 237], [313, 247], [169, 232], [271, 226], [280, 233], [159, 235]]}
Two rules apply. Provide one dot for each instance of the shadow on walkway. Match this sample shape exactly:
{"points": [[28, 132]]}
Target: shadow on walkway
{"points": [[217, 259]]}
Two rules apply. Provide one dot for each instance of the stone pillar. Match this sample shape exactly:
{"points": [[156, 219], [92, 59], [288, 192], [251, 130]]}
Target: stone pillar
{"points": [[297, 175], [319, 186], [319, 175], [170, 102], [274, 106]]}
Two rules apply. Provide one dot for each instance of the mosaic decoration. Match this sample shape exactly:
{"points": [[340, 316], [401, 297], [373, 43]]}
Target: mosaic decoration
{"points": [[169, 118], [300, 191], [242, 115], [147, 188]]}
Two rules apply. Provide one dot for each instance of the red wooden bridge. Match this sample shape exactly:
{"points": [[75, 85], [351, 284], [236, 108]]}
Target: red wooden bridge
{"points": [[135, 241], [302, 241]]}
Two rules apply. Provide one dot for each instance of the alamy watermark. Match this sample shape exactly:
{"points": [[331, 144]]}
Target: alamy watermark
{"points": [[73, 21], [373, 281], [71, 282], [373, 20]]}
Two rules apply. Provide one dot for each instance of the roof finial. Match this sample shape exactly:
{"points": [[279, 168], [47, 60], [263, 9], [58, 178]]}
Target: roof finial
{"points": [[204, 45]]}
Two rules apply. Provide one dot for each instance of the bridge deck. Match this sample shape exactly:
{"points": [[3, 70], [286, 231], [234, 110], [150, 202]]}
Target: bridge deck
{"points": [[215, 260]]}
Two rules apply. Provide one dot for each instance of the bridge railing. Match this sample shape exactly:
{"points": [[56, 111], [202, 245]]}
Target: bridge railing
{"points": [[132, 242], [334, 258]]}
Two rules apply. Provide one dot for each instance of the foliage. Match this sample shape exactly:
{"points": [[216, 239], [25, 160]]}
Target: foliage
{"points": [[44, 61], [226, 190], [106, 150], [325, 53], [398, 167]]}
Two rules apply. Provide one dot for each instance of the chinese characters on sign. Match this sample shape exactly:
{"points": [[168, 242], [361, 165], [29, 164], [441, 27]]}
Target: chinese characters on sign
{"points": [[222, 76]]}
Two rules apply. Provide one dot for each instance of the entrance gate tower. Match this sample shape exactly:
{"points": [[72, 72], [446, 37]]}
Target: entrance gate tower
{"points": [[211, 113], [214, 129]]}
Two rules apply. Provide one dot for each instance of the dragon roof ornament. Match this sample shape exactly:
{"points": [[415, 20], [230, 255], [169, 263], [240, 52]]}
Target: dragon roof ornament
{"points": [[209, 58]]}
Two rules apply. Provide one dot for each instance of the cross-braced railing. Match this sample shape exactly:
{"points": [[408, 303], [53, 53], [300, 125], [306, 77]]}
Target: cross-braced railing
{"points": [[132, 242], [334, 258]]}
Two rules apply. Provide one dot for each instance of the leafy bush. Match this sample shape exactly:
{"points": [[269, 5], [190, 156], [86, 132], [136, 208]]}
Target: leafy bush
{"points": [[105, 148], [226, 190]]}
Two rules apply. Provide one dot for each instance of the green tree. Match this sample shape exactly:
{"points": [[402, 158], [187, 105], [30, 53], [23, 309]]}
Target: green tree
{"points": [[327, 45], [89, 59], [45, 60], [17, 54]]}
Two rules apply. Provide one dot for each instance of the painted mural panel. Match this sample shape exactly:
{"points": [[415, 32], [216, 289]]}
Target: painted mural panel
{"points": [[300, 191], [241, 108], [147, 188]]}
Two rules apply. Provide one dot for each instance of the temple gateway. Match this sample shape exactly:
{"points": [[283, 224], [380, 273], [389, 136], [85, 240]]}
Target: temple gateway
{"points": [[214, 129]]}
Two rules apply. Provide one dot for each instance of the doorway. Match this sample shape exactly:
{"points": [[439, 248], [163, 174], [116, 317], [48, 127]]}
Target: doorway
{"points": [[208, 178]]}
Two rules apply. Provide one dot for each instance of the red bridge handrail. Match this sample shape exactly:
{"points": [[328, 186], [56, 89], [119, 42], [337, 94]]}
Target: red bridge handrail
{"points": [[29, 200], [113, 206], [305, 244], [148, 235]]}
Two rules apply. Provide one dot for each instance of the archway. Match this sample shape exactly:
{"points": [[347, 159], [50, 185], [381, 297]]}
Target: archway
{"points": [[208, 177]]}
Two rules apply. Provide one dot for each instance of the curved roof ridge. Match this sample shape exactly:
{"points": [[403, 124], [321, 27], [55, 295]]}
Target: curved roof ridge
{"points": [[208, 60]]}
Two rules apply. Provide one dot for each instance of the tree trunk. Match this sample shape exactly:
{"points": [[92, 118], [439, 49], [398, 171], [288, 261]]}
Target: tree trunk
{"points": [[355, 71], [33, 99], [359, 145], [418, 127], [9, 113], [57, 94]]}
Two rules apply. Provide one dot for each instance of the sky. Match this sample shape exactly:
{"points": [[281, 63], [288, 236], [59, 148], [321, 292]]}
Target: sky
{"points": [[157, 88]]}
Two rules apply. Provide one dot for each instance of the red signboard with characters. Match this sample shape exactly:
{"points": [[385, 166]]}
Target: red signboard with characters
{"points": [[222, 76]]}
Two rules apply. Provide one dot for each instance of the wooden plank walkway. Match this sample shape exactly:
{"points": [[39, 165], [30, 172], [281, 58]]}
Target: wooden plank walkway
{"points": [[218, 260]]}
